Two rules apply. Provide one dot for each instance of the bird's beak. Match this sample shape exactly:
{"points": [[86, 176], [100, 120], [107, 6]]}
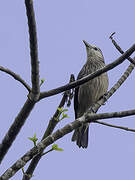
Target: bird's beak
{"points": [[86, 44]]}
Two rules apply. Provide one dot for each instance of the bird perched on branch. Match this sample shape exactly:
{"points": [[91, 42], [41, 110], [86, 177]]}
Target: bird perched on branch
{"points": [[90, 92]]}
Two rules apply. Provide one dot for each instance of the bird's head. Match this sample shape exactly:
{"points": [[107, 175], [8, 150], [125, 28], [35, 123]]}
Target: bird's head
{"points": [[93, 51]]}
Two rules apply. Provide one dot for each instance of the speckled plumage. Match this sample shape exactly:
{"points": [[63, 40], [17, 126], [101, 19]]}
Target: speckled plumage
{"points": [[90, 92]]}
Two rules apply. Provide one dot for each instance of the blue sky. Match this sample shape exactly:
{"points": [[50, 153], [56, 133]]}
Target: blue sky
{"points": [[61, 27]]}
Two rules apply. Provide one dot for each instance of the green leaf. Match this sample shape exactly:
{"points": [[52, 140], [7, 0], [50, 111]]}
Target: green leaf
{"points": [[64, 116], [56, 148], [60, 149], [33, 139], [65, 110], [60, 109], [42, 81]]}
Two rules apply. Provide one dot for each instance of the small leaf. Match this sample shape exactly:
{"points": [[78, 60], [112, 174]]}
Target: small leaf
{"points": [[42, 81], [56, 148], [60, 149], [30, 138], [33, 139], [65, 110], [64, 116], [60, 109]]}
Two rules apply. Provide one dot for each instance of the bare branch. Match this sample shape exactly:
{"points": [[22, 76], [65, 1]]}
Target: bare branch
{"points": [[89, 77], [34, 95], [114, 126], [15, 128], [101, 101], [47, 152], [52, 124], [16, 77], [118, 83], [119, 48], [123, 78], [33, 50], [92, 117], [59, 134], [68, 128]]}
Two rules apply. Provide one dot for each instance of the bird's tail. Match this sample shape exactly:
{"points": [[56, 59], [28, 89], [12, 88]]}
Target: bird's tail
{"points": [[81, 136]]}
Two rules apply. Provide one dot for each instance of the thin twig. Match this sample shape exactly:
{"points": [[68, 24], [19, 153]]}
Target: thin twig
{"points": [[89, 77], [57, 135], [115, 126], [16, 77], [47, 152], [33, 50], [52, 124], [119, 48]]}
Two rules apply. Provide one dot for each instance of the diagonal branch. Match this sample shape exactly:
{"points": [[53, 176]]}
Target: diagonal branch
{"points": [[116, 86], [59, 134], [16, 77], [115, 126], [96, 106], [92, 117], [89, 77], [15, 128], [119, 82], [34, 95], [33, 50], [109, 94], [52, 124], [119, 48]]}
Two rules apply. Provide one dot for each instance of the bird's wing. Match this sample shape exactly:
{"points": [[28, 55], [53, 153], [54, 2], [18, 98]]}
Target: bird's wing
{"points": [[81, 74], [76, 101]]}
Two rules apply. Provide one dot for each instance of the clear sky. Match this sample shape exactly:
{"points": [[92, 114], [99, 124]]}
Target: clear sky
{"points": [[61, 27]]}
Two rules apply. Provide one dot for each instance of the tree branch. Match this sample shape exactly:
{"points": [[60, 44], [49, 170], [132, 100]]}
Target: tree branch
{"points": [[119, 82], [119, 48], [89, 77], [51, 126], [33, 50], [15, 128], [116, 86], [59, 134], [34, 95], [114, 126], [92, 117], [97, 105], [16, 77]]}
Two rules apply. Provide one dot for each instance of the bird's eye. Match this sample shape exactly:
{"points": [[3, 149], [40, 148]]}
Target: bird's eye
{"points": [[95, 48]]}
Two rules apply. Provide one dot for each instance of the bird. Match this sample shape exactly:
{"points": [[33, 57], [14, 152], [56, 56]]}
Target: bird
{"points": [[90, 92]]}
